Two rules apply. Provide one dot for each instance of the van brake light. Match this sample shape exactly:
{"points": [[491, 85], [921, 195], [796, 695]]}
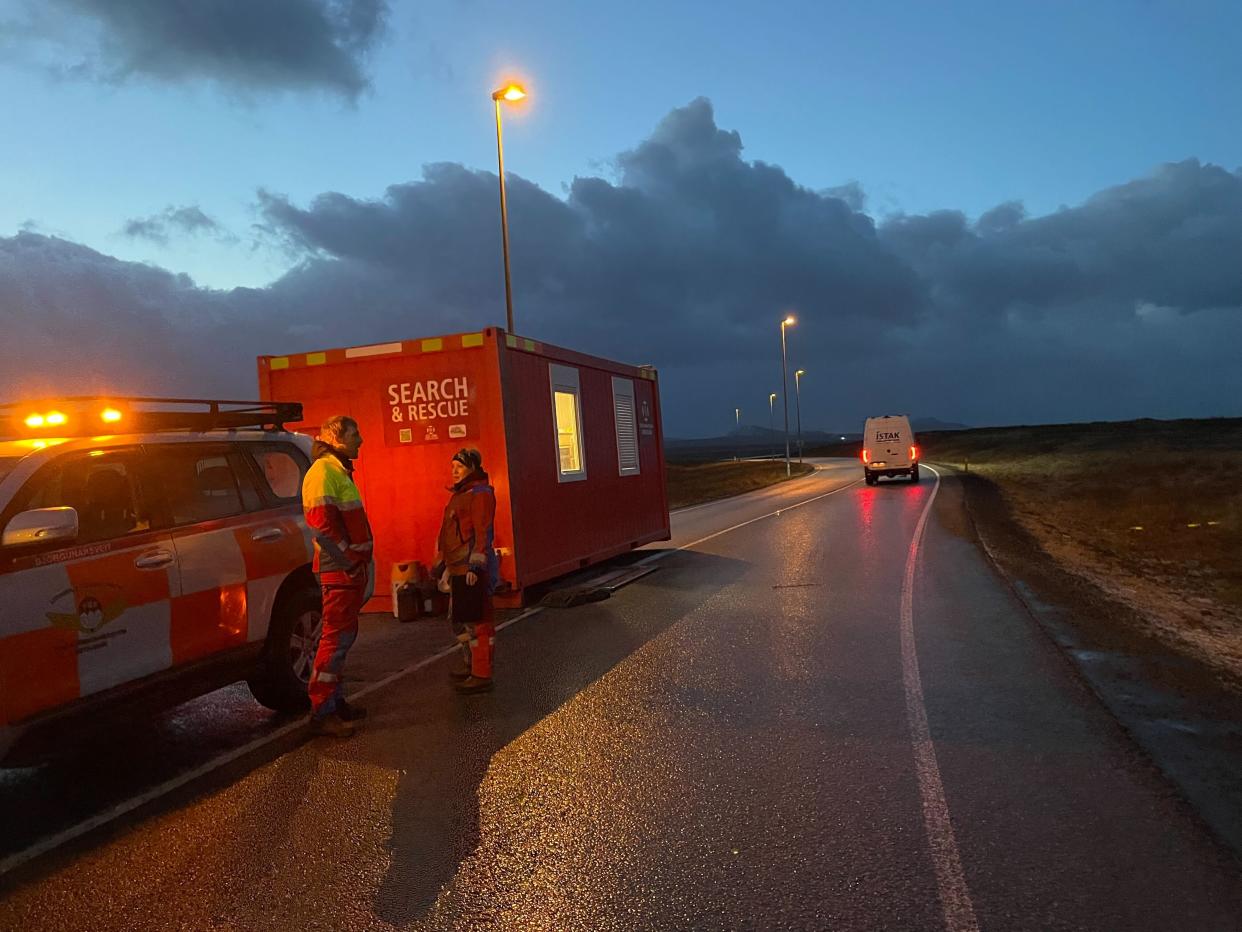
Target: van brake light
{"points": [[914, 452], [866, 455]]}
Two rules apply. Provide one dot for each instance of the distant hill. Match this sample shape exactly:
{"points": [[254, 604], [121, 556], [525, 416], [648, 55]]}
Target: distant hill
{"points": [[931, 423]]}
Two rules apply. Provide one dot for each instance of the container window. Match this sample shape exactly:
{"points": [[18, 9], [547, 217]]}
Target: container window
{"points": [[567, 417], [627, 426]]}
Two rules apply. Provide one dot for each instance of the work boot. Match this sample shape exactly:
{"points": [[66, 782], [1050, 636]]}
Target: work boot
{"points": [[333, 725], [351, 713], [474, 684], [459, 671]]}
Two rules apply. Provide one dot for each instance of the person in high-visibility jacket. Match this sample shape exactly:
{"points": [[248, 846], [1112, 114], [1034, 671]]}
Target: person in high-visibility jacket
{"points": [[343, 546], [467, 561]]}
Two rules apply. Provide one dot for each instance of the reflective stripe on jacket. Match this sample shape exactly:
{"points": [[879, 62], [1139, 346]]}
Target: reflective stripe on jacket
{"points": [[334, 511]]}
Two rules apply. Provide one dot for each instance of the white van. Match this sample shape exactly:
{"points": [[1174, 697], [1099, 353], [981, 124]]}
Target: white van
{"points": [[889, 448]]}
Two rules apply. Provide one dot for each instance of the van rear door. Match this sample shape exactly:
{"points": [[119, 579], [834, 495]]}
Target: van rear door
{"points": [[889, 440]]}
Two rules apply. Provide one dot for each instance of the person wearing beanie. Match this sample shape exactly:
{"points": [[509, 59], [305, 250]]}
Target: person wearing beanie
{"points": [[343, 545], [466, 561]]}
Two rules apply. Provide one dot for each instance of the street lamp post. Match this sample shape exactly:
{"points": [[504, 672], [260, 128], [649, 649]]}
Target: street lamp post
{"points": [[512, 93], [789, 321], [798, 407], [772, 416], [737, 433]]}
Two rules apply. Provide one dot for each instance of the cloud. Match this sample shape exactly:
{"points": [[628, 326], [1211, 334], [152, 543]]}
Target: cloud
{"points": [[1127, 305], [693, 243], [186, 220], [1166, 239], [293, 45]]}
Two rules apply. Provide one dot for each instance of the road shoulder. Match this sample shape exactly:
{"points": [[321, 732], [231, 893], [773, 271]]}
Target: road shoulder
{"points": [[1178, 710]]}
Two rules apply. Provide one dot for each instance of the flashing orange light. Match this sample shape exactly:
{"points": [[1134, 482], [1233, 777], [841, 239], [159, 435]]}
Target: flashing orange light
{"points": [[109, 415], [56, 419], [866, 455], [35, 420], [510, 92]]}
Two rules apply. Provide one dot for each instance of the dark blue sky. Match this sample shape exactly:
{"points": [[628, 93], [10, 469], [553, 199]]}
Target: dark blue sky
{"points": [[847, 160]]}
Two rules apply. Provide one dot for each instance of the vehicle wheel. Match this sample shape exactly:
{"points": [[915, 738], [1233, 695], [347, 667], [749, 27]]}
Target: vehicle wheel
{"points": [[292, 639], [870, 478], [914, 474]]}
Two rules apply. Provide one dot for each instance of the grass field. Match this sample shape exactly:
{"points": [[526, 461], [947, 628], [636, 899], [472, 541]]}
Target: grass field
{"points": [[693, 484], [1151, 511]]}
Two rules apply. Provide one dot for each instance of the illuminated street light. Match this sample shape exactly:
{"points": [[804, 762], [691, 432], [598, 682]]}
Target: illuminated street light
{"points": [[789, 321], [771, 415], [798, 407], [511, 93]]}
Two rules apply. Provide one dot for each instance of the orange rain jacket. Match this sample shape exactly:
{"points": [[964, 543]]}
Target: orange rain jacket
{"points": [[466, 533]]}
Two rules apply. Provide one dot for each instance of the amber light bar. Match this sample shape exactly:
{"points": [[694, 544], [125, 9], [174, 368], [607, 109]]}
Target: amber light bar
{"points": [[85, 416]]}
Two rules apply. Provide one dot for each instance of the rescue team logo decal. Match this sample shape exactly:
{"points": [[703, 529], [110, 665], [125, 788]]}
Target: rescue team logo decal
{"points": [[439, 407], [103, 605]]}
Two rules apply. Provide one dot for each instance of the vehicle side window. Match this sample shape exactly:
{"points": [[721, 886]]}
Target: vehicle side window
{"points": [[282, 470], [106, 491], [198, 485], [246, 482]]}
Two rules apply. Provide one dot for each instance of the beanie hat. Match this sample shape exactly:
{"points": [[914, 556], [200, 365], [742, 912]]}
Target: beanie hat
{"points": [[469, 457]]}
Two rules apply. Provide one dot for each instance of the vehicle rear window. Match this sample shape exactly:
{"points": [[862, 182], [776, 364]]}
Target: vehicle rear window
{"points": [[281, 471]]}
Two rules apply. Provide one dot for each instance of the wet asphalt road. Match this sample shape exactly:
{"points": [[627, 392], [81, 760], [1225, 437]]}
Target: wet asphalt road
{"points": [[724, 744]]}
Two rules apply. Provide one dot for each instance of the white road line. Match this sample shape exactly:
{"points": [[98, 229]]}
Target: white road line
{"points": [[135, 802], [959, 913], [661, 554]]}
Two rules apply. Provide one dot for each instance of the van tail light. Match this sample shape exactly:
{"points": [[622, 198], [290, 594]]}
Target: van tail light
{"points": [[866, 455], [914, 452]]}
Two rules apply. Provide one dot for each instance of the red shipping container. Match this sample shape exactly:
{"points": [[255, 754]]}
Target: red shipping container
{"points": [[573, 444]]}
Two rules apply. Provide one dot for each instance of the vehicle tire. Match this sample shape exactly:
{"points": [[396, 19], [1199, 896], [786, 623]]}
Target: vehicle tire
{"points": [[914, 474], [285, 665], [869, 477]]}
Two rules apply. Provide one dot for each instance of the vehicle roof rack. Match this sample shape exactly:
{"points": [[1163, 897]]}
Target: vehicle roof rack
{"points": [[82, 415]]}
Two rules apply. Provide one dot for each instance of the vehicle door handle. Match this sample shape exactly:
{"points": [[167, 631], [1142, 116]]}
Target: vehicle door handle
{"points": [[154, 560], [268, 533]]}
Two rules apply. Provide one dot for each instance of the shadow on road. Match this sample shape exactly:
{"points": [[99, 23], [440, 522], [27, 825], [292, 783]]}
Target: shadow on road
{"points": [[442, 744]]}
